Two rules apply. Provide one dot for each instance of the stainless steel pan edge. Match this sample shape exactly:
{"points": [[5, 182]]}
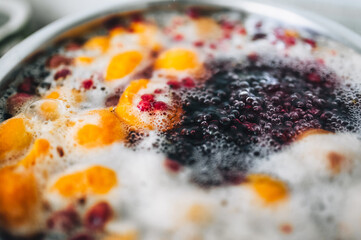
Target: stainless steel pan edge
{"points": [[13, 59]]}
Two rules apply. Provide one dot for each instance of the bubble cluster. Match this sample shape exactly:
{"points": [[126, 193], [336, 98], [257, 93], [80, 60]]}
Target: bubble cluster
{"points": [[243, 108]]}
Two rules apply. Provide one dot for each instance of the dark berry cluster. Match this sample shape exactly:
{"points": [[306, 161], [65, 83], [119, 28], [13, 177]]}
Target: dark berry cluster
{"points": [[242, 112]]}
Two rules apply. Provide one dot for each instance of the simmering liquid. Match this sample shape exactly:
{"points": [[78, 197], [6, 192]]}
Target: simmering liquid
{"points": [[184, 125]]}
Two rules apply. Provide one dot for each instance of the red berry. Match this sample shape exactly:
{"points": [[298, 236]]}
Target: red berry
{"points": [[188, 82], [253, 57], [213, 46], [73, 46], [228, 25], [64, 220], [172, 165], [178, 37], [158, 90], [160, 106], [27, 85], [193, 13], [147, 97], [311, 42], [58, 60], [243, 31], [199, 43], [314, 77], [174, 84], [87, 84], [97, 216], [63, 73], [17, 101], [112, 101], [144, 106]]}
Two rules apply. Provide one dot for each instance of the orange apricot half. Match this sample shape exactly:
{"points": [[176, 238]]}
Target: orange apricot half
{"points": [[40, 148], [311, 132], [14, 137], [18, 197], [94, 180], [269, 189], [178, 59], [97, 43], [122, 65], [109, 130], [128, 110]]}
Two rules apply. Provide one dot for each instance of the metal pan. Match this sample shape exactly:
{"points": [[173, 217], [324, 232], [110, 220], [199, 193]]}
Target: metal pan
{"points": [[13, 60]]}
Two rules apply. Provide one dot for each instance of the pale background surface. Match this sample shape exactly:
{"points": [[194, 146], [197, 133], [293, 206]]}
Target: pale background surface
{"points": [[347, 12]]}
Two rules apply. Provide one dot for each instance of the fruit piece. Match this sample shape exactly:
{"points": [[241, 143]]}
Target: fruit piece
{"points": [[17, 101], [160, 106], [98, 216], [207, 28], [18, 197], [100, 43], [198, 213], [116, 31], [64, 220], [147, 35], [72, 96], [269, 189], [123, 64], [83, 60], [311, 132], [87, 84], [132, 114], [61, 74], [14, 138], [58, 60], [337, 162], [94, 180], [108, 131], [130, 235], [40, 148], [125, 105], [53, 95], [49, 110], [177, 59]]}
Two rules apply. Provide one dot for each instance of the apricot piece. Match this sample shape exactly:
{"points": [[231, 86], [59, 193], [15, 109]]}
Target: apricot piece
{"points": [[72, 96], [177, 59], [311, 132], [207, 28], [94, 180], [123, 64], [130, 235], [132, 114], [50, 110], [14, 138], [18, 197], [147, 35], [125, 105], [109, 130], [269, 189], [83, 60], [198, 213], [116, 31], [53, 95], [98, 43], [337, 162], [40, 148]]}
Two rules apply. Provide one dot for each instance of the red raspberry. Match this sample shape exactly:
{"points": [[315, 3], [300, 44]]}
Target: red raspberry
{"points": [[147, 97], [161, 106], [144, 106], [87, 84]]}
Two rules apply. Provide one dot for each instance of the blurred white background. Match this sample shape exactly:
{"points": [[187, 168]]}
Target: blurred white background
{"points": [[346, 12]]}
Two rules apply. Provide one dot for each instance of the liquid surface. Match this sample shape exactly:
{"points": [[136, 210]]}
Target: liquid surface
{"points": [[184, 125]]}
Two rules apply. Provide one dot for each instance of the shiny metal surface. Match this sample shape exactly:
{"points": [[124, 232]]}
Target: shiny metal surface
{"points": [[11, 61]]}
